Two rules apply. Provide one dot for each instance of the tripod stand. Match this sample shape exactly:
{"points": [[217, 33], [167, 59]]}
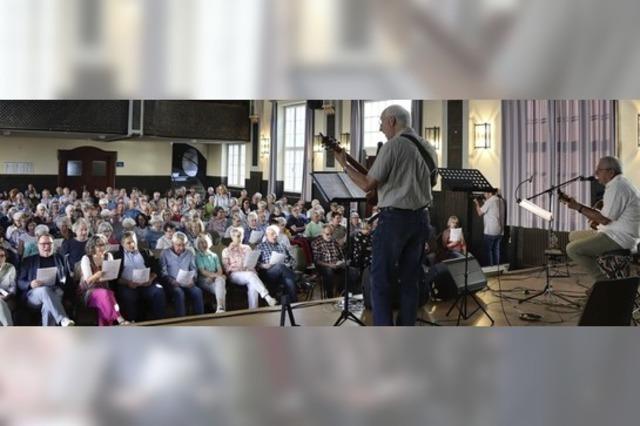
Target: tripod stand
{"points": [[286, 309], [338, 187], [469, 181], [547, 290]]}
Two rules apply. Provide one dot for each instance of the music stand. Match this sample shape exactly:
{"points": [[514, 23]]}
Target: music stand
{"points": [[469, 181], [339, 188]]}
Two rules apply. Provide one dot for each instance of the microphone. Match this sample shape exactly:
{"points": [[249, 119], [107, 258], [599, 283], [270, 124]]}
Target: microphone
{"points": [[531, 178], [587, 178]]}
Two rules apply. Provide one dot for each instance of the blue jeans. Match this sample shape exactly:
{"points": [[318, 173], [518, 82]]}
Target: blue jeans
{"points": [[152, 295], [492, 248], [177, 296], [398, 248], [280, 274]]}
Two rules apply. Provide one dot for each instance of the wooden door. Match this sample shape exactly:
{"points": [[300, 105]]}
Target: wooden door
{"points": [[86, 168]]}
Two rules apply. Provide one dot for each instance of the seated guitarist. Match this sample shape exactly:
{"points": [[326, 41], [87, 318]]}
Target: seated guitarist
{"points": [[618, 224]]}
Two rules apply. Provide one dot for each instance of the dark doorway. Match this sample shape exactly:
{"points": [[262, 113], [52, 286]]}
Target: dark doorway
{"points": [[86, 168]]}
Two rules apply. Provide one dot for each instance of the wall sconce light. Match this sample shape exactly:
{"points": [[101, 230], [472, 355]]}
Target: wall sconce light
{"points": [[345, 141], [317, 144], [328, 108], [432, 135], [639, 130], [483, 136], [264, 147]]}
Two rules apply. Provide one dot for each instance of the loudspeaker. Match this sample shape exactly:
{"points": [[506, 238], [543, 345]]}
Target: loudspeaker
{"points": [[476, 279], [610, 303]]}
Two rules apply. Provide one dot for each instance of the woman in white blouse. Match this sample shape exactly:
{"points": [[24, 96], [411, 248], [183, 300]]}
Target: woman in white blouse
{"points": [[7, 288]]}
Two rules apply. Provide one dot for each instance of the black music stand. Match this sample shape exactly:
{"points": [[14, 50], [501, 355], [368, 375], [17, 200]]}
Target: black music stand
{"points": [[469, 181], [338, 187]]}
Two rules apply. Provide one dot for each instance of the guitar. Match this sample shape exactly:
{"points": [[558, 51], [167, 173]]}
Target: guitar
{"points": [[565, 199], [332, 144]]}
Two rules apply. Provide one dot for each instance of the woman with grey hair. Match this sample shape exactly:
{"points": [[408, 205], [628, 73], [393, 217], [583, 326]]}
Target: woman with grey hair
{"points": [[176, 261], [75, 247], [94, 289], [210, 275], [233, 258]]}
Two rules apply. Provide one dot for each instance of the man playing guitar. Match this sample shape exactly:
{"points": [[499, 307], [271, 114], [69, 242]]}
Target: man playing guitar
{"points": [[617, 226]]}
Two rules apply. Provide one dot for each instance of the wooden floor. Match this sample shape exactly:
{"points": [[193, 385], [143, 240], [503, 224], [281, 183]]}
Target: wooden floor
{"points": [[505, 310]]}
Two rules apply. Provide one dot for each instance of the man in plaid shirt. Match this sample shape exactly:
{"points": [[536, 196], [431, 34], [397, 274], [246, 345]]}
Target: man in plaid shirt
{"points": [[274, 275], [328, 258]]}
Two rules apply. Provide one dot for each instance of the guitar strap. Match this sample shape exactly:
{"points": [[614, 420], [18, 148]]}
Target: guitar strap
{"points": [[433, 169]]}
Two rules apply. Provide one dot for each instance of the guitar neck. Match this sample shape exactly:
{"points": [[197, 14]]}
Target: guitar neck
{"points": [[354, 163]]}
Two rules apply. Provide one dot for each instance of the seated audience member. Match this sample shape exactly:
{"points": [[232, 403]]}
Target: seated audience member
{"points": [[42, 295], [276, 213], [17, 228], [141, 227], [296, 223], [218, 222], [106, 230], [222, 198], [339, 231], [28, 238], [329, 259], [246, 206], [63, 228], [314, 228], [154, 232], [31, 247], [94, 290], [453, 239], [130, 292], [315, 205], [233, 258], [280, 273], [354, 226], [252, 225], [176, 259], [7, 289], [211, 278], [166, 241], [255, 199], [236, 222], [284, 237], [333, 208], [75, 247], [361, 247], [209, 208], [194, 228], [42, 214], [12, 254]]}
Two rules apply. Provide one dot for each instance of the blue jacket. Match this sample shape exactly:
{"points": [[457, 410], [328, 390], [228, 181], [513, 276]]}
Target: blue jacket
{"points": [[29, 271]]}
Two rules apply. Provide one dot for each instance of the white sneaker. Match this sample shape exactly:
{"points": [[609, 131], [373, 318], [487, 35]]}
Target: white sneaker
{"points": [[220, 310], [122, 321], [67, 322], [270, 300]]}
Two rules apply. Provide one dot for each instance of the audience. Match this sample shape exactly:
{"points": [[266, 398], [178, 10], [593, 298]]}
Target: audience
{"points": [[7, 289]]}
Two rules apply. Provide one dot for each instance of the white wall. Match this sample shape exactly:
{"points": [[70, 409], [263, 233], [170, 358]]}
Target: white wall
{"points": [[628, 151]]}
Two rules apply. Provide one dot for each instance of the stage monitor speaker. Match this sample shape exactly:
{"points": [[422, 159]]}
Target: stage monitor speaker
{"points": [[610, 303], [476, 278]]}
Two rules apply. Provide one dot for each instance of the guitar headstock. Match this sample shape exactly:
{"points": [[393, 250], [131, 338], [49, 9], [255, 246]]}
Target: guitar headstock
{"points": [[330, 143]]}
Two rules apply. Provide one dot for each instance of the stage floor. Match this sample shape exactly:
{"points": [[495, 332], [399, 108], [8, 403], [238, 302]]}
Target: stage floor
{"points": [[505, 310]]}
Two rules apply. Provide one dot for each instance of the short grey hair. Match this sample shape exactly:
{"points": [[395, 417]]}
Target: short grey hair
{"points": [[105, 227], [179, 237], [273, 228], [402, 116], [611, 163], [203, 238]]}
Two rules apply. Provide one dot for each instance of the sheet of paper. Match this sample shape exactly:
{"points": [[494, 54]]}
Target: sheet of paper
{"points": [[3, 292], [141, 275], [276, 258], [185, 278], [255, 237], [455, 234], [251, 260], [111, 269], [47, 275]]}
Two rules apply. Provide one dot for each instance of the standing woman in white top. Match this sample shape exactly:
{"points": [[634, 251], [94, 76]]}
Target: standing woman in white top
{"points": [[7, 288]]}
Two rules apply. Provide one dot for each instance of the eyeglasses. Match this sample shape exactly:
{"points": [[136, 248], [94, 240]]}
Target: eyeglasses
{"points": [[603, 168], [45, 244]]}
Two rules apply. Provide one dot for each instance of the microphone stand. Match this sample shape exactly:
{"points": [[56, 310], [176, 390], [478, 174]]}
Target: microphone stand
{"points": [[548, 287]]}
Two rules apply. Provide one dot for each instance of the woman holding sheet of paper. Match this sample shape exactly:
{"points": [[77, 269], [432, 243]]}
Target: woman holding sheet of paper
{"points": [[179, 274], [210, 275], [98, 268], [138, 281], [239, 262], [453, 239]]}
